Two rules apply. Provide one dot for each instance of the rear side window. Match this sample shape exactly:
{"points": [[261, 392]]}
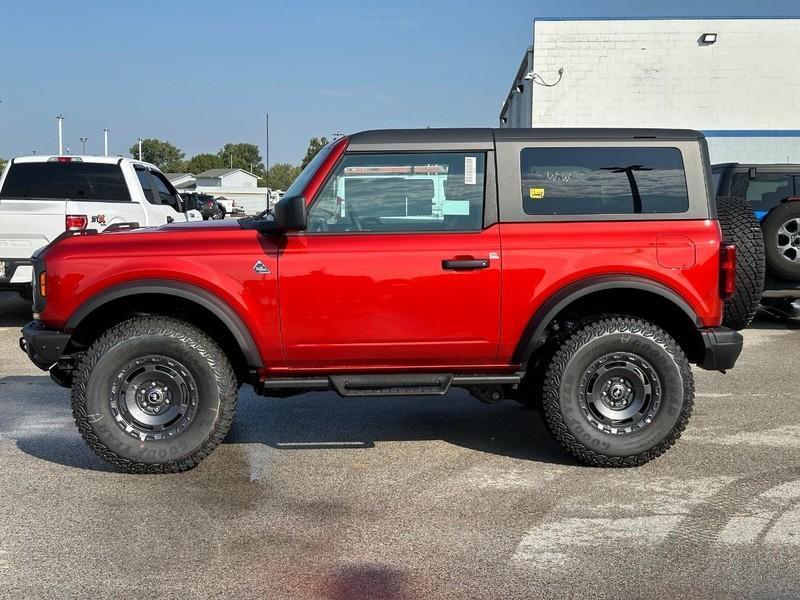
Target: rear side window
{"points": [[59, 181], [603, 181], [765, 190]]}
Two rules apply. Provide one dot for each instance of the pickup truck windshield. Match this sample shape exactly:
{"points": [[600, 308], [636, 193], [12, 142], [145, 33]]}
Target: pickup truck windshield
{"points": [[74, 180]]}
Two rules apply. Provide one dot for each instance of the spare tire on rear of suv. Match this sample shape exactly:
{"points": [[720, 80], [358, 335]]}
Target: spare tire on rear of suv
{"points": [[781, 229], [740, 226]]}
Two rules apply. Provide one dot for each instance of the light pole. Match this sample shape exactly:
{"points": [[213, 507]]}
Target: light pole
{"points": [[266, 158], [60, 119], [105, 142], [140, 140], [83, 145]]}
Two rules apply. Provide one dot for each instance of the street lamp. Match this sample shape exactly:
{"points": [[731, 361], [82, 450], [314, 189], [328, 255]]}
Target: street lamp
{"points": [[60, 119], [140, 140], [83, 145]]}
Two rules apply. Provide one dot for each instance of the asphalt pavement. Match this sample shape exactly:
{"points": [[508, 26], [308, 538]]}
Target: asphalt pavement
{"points": [[322, 497]]}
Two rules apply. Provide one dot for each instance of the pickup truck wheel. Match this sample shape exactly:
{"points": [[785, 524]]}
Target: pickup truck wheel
{"points": [[618, 393], [740, 226], [154, 395], [782, 240]]}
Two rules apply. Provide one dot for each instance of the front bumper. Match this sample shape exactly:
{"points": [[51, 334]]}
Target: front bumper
{"points": [[722, 347], [43, 346]]}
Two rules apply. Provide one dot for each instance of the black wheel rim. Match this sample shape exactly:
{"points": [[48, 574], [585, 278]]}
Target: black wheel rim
{"points": [[154, 397], [620, 393]]}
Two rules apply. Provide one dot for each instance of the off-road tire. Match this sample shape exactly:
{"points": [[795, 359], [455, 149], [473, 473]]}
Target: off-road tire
{"points": [[740, 226], [619, 336], [204, 361], [217, 214], [776, 263]]}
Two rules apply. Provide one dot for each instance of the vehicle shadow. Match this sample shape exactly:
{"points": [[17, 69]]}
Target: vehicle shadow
{"points": [[769, 319], [39, 418], [14, 311]]}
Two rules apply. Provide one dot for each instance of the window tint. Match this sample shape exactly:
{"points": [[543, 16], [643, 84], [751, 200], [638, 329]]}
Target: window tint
{"points": [[402, 192], [595, 181], [166, 193], [765, 190], [74, 180], [146, 183]]}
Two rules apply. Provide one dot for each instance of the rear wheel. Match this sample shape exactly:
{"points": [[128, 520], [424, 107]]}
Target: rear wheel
{"points": [[154, 395], [740, 226], [782, 240], [618, 393]]}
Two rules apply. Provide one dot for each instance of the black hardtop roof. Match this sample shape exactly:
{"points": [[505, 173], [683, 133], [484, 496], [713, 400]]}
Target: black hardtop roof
{"points": [[736, 165], [485, 137]]}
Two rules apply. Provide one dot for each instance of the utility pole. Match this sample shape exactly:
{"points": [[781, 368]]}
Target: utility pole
{"points": [[231, 160], [83, 145], [140, 140], [60, 119], [266, 159], [105, 142]]}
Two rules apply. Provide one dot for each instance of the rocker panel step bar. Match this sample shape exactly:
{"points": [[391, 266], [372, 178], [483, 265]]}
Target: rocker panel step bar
{"points": [[400, 384]]}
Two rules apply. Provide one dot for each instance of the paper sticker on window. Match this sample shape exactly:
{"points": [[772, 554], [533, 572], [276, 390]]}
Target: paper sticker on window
{"points": [[536, 193], [455, 207], [470, 163]]}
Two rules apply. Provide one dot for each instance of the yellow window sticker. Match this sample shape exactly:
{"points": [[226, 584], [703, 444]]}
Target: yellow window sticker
{"points": [[536, 193]]}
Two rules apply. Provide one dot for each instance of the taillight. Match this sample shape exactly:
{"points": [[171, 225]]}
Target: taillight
{"points": [[727, 270], [76, 222], [43, 284]]}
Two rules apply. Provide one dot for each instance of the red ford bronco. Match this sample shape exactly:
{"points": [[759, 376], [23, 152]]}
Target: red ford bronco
{"points": [[578, 271]]}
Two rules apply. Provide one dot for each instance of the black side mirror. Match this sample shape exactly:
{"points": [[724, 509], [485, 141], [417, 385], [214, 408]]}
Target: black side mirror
{"points": [[290, 214]]}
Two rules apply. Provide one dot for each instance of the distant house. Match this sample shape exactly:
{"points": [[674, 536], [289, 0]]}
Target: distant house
{"points": [[180, 180], [227, 178], [234, 184]]}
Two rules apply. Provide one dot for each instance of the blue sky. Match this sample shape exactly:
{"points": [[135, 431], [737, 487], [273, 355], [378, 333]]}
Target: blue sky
{"points": [[203, 73]]}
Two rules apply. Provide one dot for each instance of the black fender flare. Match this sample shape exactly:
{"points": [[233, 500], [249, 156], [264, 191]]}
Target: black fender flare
{"points": [[222, 310], [535, 334]]}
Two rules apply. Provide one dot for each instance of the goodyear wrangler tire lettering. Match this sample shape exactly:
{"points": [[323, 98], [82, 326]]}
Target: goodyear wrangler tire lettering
{"points": [[150, 378]]}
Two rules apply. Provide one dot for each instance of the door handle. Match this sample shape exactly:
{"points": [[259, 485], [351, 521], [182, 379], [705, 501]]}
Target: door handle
{"points": [[466, 264]]}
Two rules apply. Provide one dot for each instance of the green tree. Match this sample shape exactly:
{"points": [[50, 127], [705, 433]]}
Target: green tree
{"points": [[281, 176], [314, 146], [203, 162], [164, 155], [242, 156], [3, 162]]}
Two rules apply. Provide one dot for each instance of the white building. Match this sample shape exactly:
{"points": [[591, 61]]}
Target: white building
{"points": [[234, 184], [733, 79]]}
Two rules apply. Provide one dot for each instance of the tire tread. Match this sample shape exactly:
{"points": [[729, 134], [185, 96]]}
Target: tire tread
{"points": [[193, 338]]}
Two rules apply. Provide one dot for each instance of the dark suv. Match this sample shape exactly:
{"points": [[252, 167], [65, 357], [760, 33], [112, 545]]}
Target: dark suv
{"points": [[773, 193], [576, 271]]}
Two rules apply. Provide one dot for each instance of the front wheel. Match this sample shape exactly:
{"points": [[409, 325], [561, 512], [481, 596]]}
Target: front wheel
{"points": [[154, 395], [618, 392]]}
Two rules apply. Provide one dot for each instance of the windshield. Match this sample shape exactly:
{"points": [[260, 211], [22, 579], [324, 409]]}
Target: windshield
{"points": [[299, 184]]}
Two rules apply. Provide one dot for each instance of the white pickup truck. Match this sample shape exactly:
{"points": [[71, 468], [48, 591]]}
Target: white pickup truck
{"points": [[43, 196]]}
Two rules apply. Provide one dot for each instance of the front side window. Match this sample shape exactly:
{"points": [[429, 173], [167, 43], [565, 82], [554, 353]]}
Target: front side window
{"points": [[603, 181], [167, 195], [402, 192], [147, 185]]}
